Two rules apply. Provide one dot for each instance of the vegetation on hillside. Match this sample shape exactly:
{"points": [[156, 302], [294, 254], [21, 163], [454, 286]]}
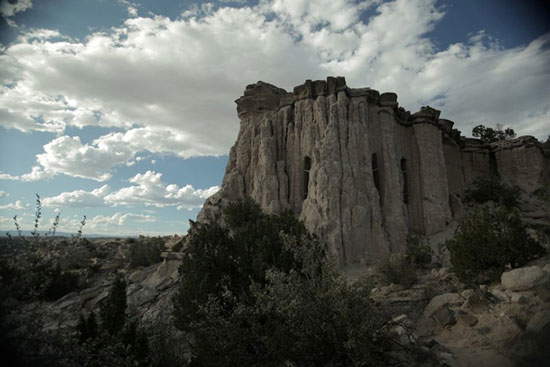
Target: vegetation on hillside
{"points": [[492, 189], [261, 292], [491, 237]]}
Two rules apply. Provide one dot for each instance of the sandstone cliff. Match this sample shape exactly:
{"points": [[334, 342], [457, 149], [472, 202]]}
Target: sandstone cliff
{"points": [[360, 171]]}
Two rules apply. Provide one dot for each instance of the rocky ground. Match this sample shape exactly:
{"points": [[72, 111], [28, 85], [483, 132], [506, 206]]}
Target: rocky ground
{"points": [[503, 324], [506, 323]]}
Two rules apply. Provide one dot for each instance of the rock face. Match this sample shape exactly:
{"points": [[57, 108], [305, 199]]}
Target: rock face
{"points": [[360, 171]]}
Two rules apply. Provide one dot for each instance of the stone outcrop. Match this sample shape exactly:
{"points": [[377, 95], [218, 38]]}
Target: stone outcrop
{"points": [[359, 170]]}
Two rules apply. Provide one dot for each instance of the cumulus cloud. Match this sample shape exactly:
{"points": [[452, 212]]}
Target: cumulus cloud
{"points": [[119, 223], [78, 198], [37, 173], [149, 190], [131, 7], [171, 83], [118, 219], [9, 8], [18, 205], [68, 155]]}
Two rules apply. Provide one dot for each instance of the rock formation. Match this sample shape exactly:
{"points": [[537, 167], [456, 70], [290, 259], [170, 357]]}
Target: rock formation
{"points": [[359, 170]]}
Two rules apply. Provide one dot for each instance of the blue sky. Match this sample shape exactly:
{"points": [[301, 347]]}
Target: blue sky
{"points": [[123, 110]]}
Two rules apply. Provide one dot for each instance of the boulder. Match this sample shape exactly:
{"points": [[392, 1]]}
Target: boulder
{"points": [[523, 279], [442, 300]]}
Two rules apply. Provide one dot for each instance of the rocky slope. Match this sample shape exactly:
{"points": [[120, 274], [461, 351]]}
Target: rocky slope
{"points": [[503, 324]]}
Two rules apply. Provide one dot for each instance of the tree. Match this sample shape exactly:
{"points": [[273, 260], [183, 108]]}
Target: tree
{"points": [[113, 310], [486, 189], [490, 135], [489, 239], [220, 259], [260, 291], [87, 327]]}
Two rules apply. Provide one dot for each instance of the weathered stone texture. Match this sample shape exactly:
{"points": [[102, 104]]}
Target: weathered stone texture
{"points": [[377, 172]]}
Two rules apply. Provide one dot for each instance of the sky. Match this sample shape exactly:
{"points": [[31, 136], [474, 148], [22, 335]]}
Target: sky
{"points": [[123, 110]]}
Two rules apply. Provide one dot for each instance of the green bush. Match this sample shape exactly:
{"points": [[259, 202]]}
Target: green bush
{"points": [[145, 251], [60, 283], [488, 240], [113, 309], [490, 135], [30, 278], [484, 190], [260, 292], [419, 251]]}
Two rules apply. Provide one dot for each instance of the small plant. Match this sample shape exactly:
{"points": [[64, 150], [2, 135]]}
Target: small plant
{"points": [[488, 240], [79, 232], [53, 229], [37, 215], [17, 226], [484, 190]]}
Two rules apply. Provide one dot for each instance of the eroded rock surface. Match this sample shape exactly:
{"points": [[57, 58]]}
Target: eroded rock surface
{"points": [[361, 171]]}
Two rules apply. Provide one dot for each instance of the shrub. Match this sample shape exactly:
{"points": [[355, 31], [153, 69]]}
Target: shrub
{"points": [[490, 135], [178, 246], [113, 310], [218, 259], [260, 292], [398, 269], [60, 283], [146, 251], [543, 193], [419, 251], [483, 190], [488, 240]]}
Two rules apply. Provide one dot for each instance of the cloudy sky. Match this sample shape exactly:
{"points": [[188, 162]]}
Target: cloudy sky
{"points": [[122, 110]]}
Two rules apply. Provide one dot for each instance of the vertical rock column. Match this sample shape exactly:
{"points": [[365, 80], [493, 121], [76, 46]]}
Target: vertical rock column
{"points": [[394, 210], [433, 173]]}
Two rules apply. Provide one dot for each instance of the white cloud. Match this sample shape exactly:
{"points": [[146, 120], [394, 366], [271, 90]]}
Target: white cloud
{"points": [[182, 74], [119, 223], [171, 83], [149, 190], [18, 205], [78, 198], [67, 155], [4, 194], [37, 173], [7, 176], [9, 8], [118, 219], [131, 7]]}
